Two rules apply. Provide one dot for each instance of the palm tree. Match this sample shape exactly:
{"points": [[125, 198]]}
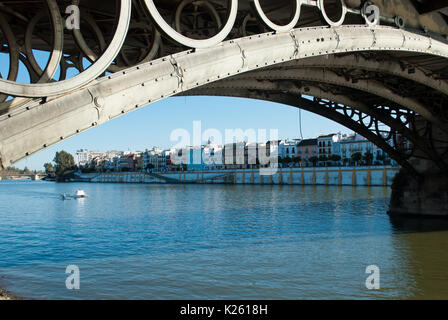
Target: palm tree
{"points": [[314, 160], [356, 157], [368, 157], [335, 158]]}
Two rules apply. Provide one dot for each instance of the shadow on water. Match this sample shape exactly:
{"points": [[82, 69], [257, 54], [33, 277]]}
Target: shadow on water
{"points": [[425, 241], [416, 224]]}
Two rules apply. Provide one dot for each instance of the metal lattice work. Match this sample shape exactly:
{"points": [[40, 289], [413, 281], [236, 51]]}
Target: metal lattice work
{"points": [[385, 81], [114, 35], [385, 123]]}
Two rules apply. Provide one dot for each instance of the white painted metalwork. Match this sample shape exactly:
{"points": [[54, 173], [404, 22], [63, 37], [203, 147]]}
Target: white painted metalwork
{"points": [[119, 93], [275, 27], [61, 87], [58, 42], [194, 43], [383, 66], [321, 6], [42, 89]]}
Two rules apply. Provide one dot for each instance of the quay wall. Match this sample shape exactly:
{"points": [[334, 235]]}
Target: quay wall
{"points": [[332, 176]]}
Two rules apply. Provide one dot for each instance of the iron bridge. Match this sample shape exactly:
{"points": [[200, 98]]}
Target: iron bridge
{"points": [[377, 67]]}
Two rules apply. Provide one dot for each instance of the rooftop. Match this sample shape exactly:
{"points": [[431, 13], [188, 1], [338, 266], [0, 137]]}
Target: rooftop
{"points": [[308, 142]]}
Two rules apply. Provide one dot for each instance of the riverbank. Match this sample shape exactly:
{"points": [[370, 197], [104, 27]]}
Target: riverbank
{"points": [[326, 176], [4, 295]]}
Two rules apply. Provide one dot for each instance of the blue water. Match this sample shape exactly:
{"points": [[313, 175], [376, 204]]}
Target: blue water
{"points": [[213, 242]]}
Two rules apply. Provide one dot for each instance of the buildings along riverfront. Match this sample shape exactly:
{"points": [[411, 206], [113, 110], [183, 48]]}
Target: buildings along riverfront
{"points": [[325, 150]]}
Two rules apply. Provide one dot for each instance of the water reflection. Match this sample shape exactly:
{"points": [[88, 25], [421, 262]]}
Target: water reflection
{"points": [[426, 240], [213, 242], [414, 224]]}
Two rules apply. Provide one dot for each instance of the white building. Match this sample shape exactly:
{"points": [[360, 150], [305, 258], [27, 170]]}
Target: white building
{"points": [[358, 144], [82, 157], [328, 145], [154, 159], [205, 157], [212, 156], [86, 158], [287, 149]]}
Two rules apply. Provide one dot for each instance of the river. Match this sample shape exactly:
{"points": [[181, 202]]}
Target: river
{"points": [[135, 241]]}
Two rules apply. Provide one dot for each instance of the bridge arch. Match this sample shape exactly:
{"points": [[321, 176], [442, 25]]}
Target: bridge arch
{"points": [[352, 114], [324, 108], [55, 119]]}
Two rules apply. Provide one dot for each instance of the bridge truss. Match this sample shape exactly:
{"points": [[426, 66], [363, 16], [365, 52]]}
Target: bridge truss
{"points": [[383, 76]]}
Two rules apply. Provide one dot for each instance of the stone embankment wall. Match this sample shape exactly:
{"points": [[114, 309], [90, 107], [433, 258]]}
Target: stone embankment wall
{"points": [[350, 176]]}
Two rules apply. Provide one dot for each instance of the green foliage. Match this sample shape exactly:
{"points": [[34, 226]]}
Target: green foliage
{"points": [[64, 162], [380, 157], [356, 157], [297, 159], [17, 171], [88, 170], [368, 157], [314, 160], [335, 158], [49, 168]]}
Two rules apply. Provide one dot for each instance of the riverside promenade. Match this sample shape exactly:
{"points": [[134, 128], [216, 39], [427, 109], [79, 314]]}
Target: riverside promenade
{"points": [[328, 176]]}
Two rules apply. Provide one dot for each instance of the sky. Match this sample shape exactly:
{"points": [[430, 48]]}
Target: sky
{"points": [[153, 125]]}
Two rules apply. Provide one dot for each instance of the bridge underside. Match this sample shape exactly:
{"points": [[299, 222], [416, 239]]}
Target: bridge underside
{"points": [[383, 82]]}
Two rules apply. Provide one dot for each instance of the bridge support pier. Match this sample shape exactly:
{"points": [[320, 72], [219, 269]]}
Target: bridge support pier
{"points": [[425, 195]]}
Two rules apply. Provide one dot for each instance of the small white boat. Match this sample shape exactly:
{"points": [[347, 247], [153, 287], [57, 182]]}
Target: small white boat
{"points": [[80, 194]]}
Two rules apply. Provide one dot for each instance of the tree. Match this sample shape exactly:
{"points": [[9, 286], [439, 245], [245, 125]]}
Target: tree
{"points": [[323, 159], [49, 168], [335, 158], [368, 157], [64, 162], [380, 157], [314, 160], [297, 159], [286, 161], [356, 157]]}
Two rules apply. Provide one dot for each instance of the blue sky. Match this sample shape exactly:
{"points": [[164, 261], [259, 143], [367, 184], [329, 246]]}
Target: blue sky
{"points": [[153, 125]]}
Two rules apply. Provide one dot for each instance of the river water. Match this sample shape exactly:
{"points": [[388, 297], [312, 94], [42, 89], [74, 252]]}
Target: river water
{"points": [[215, 242]]}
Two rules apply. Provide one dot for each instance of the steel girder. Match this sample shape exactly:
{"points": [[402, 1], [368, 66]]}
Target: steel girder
{"points": [[359, 112], [292, 99], [370, 86], [426, 6], [57, 88], [387, 67], [41, 123]]}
